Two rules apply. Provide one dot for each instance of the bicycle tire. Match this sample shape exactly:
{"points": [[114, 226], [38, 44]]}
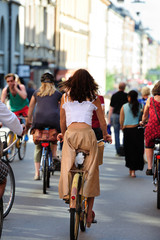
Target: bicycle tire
{"points": [[158, 184], [45, 175], [10, 156], [9, 193], [22, 149], [1, 216], [75, 212], [83, 214], [74, 224]]}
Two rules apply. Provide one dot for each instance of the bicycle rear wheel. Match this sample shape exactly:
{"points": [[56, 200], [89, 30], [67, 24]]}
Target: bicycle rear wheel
{"points": [[12, 151], [74, 224], [46, 176], [1, 216], [9, 193], [22, 149], [158, 184], [75, 212], [83, 214]]}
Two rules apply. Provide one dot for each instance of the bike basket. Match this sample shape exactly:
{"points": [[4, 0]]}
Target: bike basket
{"points": [[44, 135]]}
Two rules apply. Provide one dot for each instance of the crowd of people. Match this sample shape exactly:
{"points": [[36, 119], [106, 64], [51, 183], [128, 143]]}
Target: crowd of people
{"points": [[77, 112]]}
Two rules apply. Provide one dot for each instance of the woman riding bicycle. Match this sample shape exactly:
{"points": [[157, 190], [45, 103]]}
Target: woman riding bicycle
{"points": [[47, 114], [77, 107], [152, 129]]}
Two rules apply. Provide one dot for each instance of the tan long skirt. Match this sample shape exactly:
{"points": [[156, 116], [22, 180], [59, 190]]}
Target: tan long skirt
{"points": [[83, 138]]}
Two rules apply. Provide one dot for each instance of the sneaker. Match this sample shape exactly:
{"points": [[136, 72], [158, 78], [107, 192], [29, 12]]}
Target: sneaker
{"points": [[149, 172], [37, 178]]}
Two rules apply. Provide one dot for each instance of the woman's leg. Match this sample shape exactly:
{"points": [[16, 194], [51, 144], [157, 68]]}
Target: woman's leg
{"points": [[89, 211], [149, 155], [37, 160]]}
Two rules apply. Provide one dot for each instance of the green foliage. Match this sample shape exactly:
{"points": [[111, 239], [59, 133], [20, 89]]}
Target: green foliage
{"points": [[153, 74], [110, 79]]}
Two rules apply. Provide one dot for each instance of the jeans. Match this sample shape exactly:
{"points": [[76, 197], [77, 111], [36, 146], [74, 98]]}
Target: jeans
{"points": [[116, 125]]}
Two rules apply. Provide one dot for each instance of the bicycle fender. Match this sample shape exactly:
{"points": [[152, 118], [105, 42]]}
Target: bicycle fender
{"points": [[74, 189]]}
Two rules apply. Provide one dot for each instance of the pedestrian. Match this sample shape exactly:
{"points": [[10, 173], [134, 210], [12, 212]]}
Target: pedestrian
{"points": [[117, 100], [77, 106], [30, 90], [152, 129], [95, 122], [145, 92], [46, 115], [133, 135]]}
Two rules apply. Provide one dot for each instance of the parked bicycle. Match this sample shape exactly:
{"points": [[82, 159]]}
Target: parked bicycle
{"points": [[156, 170], [48, 163], [19, 147]]}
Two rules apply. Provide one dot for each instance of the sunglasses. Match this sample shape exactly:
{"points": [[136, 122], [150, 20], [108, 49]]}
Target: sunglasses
{"points": [[10, 81]]}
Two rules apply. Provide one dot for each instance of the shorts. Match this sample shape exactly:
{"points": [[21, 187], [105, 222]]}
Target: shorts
{"points": [[23, 112]]}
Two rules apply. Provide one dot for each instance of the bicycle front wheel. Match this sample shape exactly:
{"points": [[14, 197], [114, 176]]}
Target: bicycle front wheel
{"points": [[74, 224], [1, 216], [9, 193], [22, 149], [12, 151]]}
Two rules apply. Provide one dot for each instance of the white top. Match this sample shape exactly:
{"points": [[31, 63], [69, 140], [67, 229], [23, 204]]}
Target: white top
{"points": [[10, 120], [78, 112]]}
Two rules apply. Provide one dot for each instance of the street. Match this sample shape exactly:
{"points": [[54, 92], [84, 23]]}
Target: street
{"points": [[125, 210]]}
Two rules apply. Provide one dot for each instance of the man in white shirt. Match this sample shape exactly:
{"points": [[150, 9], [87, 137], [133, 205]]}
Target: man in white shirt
{"points": [[10, 120]]}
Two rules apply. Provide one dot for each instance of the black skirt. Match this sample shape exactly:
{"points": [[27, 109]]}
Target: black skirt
{"points": [[134, 148]]}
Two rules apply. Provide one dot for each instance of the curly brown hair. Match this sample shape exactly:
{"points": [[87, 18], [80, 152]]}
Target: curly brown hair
{"points": [[156, 89], [81, 86]]}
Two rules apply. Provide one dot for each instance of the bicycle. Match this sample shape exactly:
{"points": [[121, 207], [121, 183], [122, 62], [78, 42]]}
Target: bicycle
{"points": [[156, 170], [1, 216], [78, 204], [19, 147], [47, 165], [9, 194]]}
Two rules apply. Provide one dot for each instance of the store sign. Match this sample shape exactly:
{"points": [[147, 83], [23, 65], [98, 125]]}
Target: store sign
{"points": [[23, 70]]}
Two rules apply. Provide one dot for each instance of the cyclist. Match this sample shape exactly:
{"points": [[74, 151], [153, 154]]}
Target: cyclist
{"points": [[152, 130], [16, 94], [10, 120], [47, 114], [76, 111]]}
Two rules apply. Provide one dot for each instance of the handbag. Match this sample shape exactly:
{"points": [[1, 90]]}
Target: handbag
{"points": [[44, 135], [155, 110]]}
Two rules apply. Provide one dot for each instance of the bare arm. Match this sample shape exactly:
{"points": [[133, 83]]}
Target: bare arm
{"points": [[121, 117], [62, 117], [4, 95], [30, 112], [22, 91]]}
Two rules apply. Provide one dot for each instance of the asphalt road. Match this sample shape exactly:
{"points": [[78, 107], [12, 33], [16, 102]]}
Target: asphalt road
{"points": [[125, 210]]}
